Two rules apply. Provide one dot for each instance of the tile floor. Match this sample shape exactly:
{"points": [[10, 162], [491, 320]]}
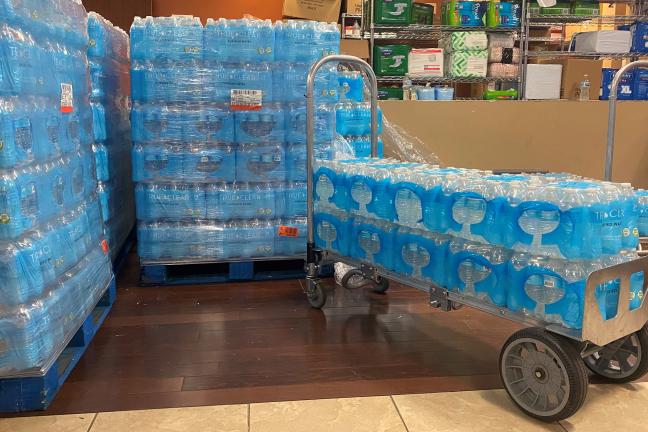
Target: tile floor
{"points": [[608, 408]]}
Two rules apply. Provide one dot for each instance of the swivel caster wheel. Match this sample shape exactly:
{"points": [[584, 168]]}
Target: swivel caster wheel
{"points": [[544, 374], [355, 279], [621, 361], [315, 293], [381, 285]]}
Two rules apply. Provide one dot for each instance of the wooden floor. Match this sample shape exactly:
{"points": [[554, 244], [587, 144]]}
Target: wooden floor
{"points": [[258, 342]]}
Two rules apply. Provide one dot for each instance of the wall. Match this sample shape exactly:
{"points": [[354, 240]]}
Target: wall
{"points": [[545, 135], [120, 12], [266, 9]]}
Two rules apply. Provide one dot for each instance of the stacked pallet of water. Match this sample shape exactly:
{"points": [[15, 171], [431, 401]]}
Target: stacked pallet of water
{"points": [[109, 57], [53, 261], [219, 121], [525, 242]]}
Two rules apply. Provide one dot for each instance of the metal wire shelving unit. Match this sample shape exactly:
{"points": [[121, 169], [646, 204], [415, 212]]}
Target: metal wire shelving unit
{"points": [[418, 32], [554, 47], [535, 20]]}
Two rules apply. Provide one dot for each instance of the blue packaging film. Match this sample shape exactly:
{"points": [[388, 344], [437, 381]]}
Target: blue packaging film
{"points": [[54, 263], [524, 242], [219, 133]]}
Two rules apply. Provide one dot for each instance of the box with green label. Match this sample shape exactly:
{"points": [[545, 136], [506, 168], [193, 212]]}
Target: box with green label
{"points": [[422, 13], [467, 64], [558, 9], [392, 11], [462, 41], [586, 8], [390, 93], [391, 60]]}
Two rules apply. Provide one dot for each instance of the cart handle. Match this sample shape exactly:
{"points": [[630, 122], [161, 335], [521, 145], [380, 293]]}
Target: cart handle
{"points": [[609, 155], [310, 132]]}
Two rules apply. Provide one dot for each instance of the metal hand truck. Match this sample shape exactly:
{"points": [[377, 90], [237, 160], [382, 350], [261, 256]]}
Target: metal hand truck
{"points": [[544, 367]]}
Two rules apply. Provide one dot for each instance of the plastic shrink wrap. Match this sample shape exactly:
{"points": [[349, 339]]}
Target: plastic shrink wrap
{"points": [[219, 133], [53, 263]]}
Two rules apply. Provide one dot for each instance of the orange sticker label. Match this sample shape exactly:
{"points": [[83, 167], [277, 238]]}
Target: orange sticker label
{"points": [[288, 231]]}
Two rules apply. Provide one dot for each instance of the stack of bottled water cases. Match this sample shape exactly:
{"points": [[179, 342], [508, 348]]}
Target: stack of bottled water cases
{"points": [[109, 57], [219, 133], [54, 266], [353, 115], [525, 242]]}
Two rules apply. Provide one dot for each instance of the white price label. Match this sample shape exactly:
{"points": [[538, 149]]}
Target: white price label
{"points": [[246, 99], [67, 98]]}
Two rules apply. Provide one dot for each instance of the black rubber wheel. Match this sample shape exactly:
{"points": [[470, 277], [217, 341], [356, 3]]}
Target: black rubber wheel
{"points": [[381, 286], [622, 361], [315, 293], [354, 279], [543, 374]]}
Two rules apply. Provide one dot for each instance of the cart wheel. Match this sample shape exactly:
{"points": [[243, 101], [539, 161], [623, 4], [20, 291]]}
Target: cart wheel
{"points": [[315, 293], [381, 285], [622, 361], [543, 374], [354, 279]]}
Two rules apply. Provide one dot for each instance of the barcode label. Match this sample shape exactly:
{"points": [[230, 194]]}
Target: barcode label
{"points": [[287, 231], [242, 99], [67, 98]]}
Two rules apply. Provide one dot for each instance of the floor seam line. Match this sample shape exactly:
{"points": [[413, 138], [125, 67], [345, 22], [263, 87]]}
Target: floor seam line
{"points": [[399, 413], [92, 422], [249, 407], [562, 426]]}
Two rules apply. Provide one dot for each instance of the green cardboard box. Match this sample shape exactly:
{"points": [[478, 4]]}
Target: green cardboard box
{"points": [[558, 9], [391, 60], [422, 13], [393, 11], [390, 93]]}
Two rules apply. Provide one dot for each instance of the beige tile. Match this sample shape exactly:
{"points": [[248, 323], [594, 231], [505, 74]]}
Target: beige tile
{"points": [[473, 411], [373, 414], [227, 418], [63, 423], [612, 408]]}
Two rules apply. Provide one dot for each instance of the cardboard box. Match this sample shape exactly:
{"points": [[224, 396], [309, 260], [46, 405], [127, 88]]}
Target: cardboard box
{"points": [[316, 10], [543, 81], [354, 7], [426, 62], [573, 73], [357, 48]]}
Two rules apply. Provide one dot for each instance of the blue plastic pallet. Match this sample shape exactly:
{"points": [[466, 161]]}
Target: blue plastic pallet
{"points": [[36, 393], [190, 274]]}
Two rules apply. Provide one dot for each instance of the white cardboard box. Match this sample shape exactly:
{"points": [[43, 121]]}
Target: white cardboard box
{"points": [[543, 81], [603, 41], [426, 62]]}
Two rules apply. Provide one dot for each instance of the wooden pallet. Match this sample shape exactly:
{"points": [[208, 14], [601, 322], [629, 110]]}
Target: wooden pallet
{"points": [[36, 393], [187, 273]]}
